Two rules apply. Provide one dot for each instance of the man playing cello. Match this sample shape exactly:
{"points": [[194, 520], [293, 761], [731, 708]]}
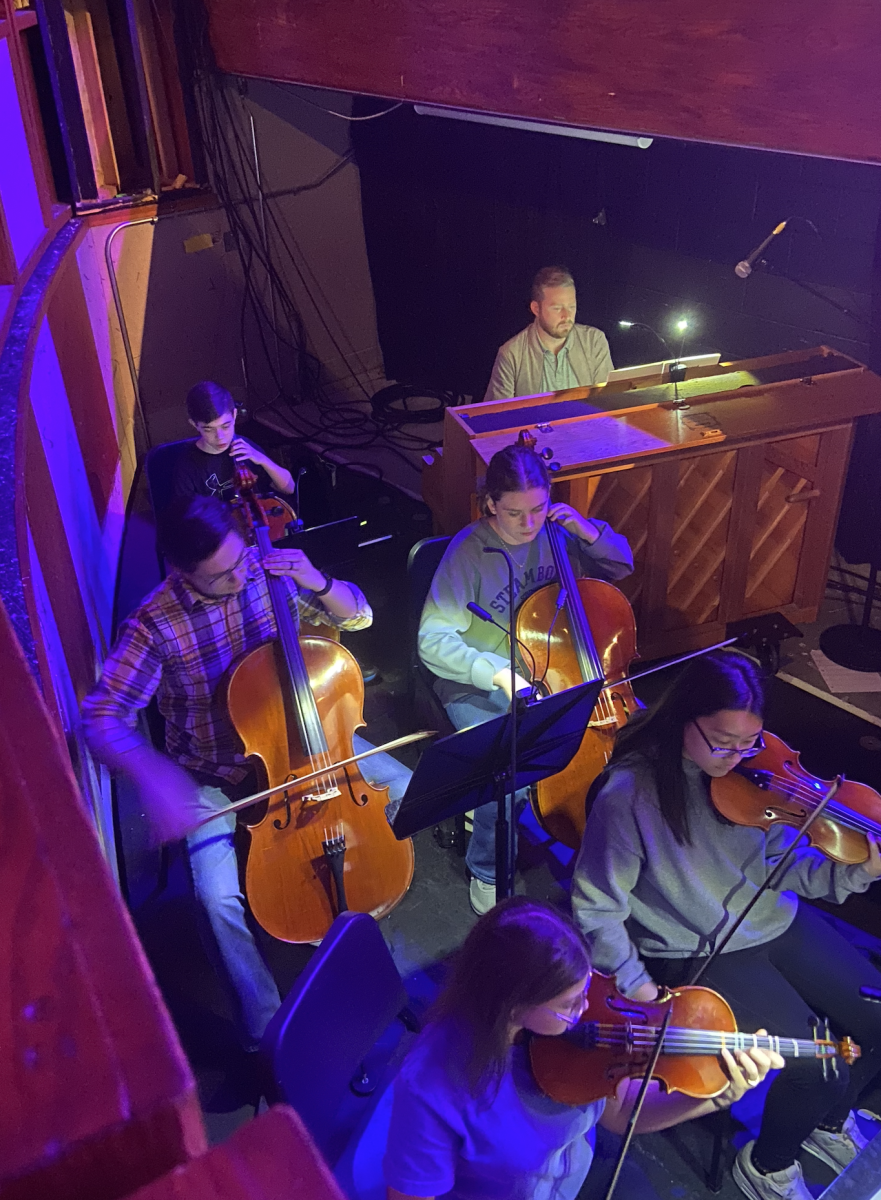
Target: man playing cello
{"points": [[180, 643]]}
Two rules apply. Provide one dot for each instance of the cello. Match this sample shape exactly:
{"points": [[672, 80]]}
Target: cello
{"points": [[295, 703], [568, 649], [614, 1037]]}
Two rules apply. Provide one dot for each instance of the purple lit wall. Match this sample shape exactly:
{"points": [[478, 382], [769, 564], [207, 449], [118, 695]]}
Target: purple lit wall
{"points": [[18, 188]]}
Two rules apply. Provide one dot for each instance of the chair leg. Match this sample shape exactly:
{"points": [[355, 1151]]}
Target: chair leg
{"points": [[362, 1082], [721, 1125], [452, 839], [409, 1020]]}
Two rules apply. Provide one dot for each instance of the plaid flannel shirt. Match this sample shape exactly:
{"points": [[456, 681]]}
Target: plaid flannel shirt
{"points": [[181, 645]]}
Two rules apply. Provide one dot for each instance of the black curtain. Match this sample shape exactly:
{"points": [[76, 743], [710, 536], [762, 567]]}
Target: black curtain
{"points": [[458, 217]]}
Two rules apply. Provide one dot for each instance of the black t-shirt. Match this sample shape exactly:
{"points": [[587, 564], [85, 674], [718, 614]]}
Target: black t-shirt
{"points": [[197, 473]]}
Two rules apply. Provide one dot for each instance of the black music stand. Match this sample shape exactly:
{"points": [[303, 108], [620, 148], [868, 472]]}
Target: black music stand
{"points": [[472, 768]]}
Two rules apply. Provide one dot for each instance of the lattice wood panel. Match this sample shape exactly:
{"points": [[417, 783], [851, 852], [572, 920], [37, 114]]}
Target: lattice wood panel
{"points": [[700, 537], [778, 535], [622, 499]]}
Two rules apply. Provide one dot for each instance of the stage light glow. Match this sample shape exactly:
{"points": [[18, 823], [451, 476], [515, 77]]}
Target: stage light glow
{"points": [[681, 325], [625, 324]]}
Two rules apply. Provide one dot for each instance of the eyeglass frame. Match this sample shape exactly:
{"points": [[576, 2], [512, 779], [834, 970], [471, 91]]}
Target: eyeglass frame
{"points": [[728, 751], [571, 1016], [230, 571]]}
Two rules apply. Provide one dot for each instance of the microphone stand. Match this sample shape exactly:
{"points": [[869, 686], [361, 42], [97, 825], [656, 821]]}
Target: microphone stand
{"points": [[770, 880], [506, 817]]}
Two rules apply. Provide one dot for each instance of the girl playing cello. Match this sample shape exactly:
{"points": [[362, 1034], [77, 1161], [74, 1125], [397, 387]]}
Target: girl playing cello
{"points": [[471, 657], [661, 875]]}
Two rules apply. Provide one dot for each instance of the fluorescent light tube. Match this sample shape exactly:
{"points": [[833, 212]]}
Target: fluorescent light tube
{"points": [[590, 135]]}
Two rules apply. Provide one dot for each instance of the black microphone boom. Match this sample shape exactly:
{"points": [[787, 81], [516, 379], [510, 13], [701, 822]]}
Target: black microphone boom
{"points": [[485, 616], [745, 267]]}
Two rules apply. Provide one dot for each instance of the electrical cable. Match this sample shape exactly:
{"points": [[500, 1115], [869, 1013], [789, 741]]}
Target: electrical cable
{"points": [[330, 112], [264, 242]]}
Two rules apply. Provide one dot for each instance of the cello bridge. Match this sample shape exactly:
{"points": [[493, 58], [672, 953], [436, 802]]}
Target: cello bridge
{"points": [[319, 796]]}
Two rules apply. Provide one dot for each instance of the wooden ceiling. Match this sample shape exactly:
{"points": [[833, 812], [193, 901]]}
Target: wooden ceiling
{"points": [[793, 75]]}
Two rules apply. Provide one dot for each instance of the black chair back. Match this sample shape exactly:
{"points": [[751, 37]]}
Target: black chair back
{"points": [[347, 996], [422, 562], [161, 463]]}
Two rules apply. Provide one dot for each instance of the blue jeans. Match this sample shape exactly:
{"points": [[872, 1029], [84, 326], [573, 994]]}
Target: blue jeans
{"points": [[228, 940], [481, 855]]}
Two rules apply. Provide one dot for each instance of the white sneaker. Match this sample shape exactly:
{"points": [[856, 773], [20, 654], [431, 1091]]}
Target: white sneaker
{"points": [[779, 1185], [482, 896], [836, 1150]]}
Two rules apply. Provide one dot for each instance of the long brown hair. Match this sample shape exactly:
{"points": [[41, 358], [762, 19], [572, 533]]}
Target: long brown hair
{"points": [[521, 953], [517, 468], [723, 679]]}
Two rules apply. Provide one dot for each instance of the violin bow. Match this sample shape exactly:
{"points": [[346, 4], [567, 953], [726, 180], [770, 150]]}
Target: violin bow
{"points": [[769, 881], [238, 805]]}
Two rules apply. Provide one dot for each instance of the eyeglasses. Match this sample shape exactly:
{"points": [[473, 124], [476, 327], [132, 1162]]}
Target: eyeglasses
{"points": [[230, 571], [729, 751], [574, 1010]]}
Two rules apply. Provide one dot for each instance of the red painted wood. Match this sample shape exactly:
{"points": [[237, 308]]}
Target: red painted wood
{"points": [[267, 1159], [97, 1096], [797, 75]]}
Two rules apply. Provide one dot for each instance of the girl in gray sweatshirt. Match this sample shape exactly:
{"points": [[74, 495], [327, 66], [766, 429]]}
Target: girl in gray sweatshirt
{"points": [[661, 876], [470, 657]]}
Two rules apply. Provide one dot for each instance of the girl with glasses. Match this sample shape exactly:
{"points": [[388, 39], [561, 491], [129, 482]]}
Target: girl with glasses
{"points": [[661, 876], [468, 1121]]}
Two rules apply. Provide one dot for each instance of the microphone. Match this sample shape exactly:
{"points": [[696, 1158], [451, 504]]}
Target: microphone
{"points": [[744, 268], [483, 614]]}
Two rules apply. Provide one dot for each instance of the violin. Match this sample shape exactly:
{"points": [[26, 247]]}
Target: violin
{"points": [[327, 847], [773, 787], [614, 1039], [569, 648]]}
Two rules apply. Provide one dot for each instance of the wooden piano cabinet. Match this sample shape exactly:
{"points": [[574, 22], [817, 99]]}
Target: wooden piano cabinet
{"points": [[728, 489], [725, 535]]}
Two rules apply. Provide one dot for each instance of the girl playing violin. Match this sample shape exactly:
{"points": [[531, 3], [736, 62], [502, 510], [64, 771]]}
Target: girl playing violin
{"points": [[472, 658], [661, 876], [468, 1121]]}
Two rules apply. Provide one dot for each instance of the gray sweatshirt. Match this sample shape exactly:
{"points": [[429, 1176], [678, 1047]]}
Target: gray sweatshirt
{"points": [[636, 891], [466, 652]]}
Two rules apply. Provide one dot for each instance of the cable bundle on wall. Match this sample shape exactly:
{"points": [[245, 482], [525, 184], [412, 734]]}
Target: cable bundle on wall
{"points": [[267, 248]]}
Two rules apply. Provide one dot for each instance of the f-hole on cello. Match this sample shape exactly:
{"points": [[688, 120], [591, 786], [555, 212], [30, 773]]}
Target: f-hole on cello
{"points": [[295, 703]]}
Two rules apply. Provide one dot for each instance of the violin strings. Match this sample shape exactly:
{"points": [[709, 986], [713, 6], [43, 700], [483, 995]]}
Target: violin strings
{"points": [[705, 1041], [846, 816]]}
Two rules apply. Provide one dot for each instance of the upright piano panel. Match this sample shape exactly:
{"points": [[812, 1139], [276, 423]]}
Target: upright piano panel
{"points": [[728, 496]]}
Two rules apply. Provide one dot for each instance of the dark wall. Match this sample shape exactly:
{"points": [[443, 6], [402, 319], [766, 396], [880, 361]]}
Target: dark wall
{"points": [[458, 217]]}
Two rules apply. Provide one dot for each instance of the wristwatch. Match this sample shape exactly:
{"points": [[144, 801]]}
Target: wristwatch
{"points": [[328, 584]]}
